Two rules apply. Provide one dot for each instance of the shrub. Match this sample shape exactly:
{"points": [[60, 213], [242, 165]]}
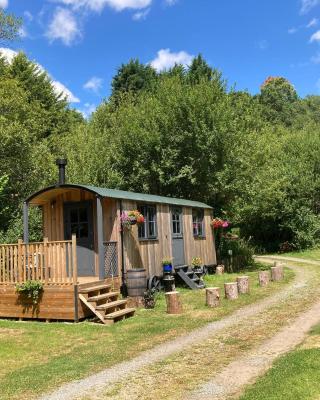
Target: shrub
{"points": [[242, 254]]}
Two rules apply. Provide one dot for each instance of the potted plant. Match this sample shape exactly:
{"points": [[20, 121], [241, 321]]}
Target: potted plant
{"points": [[130, 218], [167, 265], [31, 289], [197, 264], [150, 298]]}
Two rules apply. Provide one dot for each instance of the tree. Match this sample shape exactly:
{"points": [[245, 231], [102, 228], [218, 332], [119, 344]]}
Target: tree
{"points": [[9, 26], [132, 77], [279, 98], [200, 70]]}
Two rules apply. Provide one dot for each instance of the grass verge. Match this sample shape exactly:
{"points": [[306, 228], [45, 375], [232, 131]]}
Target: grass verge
{"points": [[36, 357], [294, 376]]}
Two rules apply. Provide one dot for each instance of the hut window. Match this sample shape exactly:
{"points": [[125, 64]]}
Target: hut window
{"points": [[148, 230], [198, 222]]}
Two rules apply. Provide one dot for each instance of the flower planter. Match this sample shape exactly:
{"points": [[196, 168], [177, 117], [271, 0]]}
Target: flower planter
{"points": [[167, 268]]}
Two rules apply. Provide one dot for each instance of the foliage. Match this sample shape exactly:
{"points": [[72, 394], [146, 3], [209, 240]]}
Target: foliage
{"points": [[9, 26], [150, 298], [129, 218], [279, 97], [242, 254], [132, 77], [166, 261], [196, 262], [32, 289]]}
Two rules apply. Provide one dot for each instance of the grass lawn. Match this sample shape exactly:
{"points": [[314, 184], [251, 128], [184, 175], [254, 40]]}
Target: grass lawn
{"points": [[312, 254], [294, 376], [35, 357]]}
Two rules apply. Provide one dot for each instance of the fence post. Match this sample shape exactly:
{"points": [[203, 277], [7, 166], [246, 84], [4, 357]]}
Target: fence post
{"points": [[46, 260], [74, 259], [20, 270]]}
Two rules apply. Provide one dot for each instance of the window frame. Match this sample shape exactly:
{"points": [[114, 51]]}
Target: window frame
{"points": [[198, 221], [145, 209]]}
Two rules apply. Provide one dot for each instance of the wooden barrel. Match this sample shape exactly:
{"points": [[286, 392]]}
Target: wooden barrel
{"points": [[136, 282]]}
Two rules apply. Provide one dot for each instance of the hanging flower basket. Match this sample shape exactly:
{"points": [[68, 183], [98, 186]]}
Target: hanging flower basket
{"points": [[219, 223], [130, 218]]}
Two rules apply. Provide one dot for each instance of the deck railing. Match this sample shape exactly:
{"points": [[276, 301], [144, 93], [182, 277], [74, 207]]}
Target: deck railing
{"points": [[49, 262]]}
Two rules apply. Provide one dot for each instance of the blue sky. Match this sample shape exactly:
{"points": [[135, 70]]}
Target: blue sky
{"points": [[82, 42]]}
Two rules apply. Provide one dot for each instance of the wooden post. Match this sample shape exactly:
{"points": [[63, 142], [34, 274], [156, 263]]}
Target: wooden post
{"points": [[264, 278], [231, 290], [74, 259], [243, 284], [100, 239], [174, 305], [20, 270], [213, 297], [46, 260], [277, 273], [220, 270], [25, 222]]}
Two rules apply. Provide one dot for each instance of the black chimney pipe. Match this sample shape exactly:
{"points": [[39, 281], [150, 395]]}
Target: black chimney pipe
{"points": [[61, 163]]}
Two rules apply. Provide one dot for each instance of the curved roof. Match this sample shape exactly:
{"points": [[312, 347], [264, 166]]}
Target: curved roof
{"points": [[121, 194]]}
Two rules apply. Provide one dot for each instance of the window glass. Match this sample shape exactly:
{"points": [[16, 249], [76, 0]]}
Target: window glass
{"points": [[148, 230], [198, 222], [74, 216], [83, 214]]}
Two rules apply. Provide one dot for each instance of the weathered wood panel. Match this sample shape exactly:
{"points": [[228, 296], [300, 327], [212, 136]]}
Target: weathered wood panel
{"points": [[55, 303], [198, 247]]}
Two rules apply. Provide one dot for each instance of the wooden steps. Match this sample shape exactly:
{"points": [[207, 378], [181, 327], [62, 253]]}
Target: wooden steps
{"points": [[103, 296], [104, 303], [189, 278]]}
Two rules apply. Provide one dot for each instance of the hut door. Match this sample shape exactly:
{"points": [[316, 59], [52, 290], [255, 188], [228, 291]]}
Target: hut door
{"points": [[78, 219], [177, 236]]}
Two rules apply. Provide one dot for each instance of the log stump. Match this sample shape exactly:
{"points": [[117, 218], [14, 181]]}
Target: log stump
{"points": [[277, 273], [174, 305], [243, 284], [220, 269], [213, 297], [231, 290], [264, 278]]}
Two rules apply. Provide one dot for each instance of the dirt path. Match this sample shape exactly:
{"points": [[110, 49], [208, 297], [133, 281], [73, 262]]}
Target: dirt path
{"points": [[244, 371], [98, 382]]}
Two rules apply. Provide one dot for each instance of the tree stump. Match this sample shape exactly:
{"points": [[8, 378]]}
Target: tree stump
{"points": [[174, 305], [231, 290], [264, 278], [243, 284], [220, 269], [277, 273], [213, 297]]}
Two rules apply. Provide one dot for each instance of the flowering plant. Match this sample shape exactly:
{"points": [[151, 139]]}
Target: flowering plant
{"points": [[129, 218], [196, 262], [219, 223]]}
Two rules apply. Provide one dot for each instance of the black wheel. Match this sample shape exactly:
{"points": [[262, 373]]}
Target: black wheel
{"points": [[154, 282]]}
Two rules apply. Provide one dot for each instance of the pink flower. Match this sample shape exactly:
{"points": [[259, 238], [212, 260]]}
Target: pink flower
{"points": [[225, 224]]}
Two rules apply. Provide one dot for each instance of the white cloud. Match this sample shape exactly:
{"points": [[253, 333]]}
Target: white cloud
{"points": [[28, 15], [59, 87], [88, 109], [64, 27], [315, 37], [94, 84], [263, 44], [4, 3], [291, 31], [307, 5], [316, 58], [141, 15], [171, 2], [23, 32], [313, 22], [99, 5], [166, 59]]}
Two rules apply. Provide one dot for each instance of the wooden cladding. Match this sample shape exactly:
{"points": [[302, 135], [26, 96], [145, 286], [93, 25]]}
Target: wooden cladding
{"points": [[49, 262]]}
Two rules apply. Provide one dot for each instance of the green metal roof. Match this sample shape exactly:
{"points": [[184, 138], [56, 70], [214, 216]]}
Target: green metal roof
{"points": [[121, 194]]}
